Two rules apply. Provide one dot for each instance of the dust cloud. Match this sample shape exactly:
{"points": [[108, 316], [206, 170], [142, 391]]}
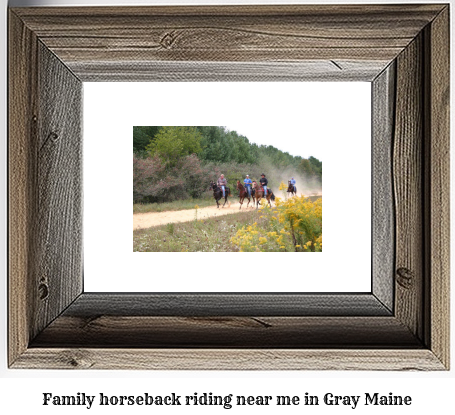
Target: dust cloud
{"points": [[307, 186]]}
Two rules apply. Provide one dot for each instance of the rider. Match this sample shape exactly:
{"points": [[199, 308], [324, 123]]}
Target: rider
{"points": [[248, 184], [292, 181], [222, 182], [264, 183]]}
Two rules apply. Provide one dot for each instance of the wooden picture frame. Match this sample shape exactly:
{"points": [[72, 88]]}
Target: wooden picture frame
{"points": [[403, 324]]}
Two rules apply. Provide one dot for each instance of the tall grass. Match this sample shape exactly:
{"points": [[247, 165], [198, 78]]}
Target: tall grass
{"points": [[208, 235], [286, 228], [175, 205]]}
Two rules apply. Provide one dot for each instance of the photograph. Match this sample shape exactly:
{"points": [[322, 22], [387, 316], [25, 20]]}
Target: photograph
{"points": [[276, 133], [211, 189], [230, 111]]}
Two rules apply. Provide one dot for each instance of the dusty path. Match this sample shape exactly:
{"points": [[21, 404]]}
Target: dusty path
{"points": [[147, 220]]}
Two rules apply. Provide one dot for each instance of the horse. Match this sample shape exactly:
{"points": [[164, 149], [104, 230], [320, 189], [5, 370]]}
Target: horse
{"points": [[259, 194], [243, 193], [291, 189], [218, 193]]}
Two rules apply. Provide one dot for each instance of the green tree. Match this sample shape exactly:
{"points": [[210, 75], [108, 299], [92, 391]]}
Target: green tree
{"points": [[142, 136], [215, 144], [173, 143], [310, 169], [317, 166]]}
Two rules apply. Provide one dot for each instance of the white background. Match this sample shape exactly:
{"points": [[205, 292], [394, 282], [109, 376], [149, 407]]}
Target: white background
{"points": [[21, 391], [335, 118]]}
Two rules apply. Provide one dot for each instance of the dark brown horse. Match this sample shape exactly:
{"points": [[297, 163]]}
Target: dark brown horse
{"points": [[243, 193], [218, 193], [291, 189], [259, 194]]}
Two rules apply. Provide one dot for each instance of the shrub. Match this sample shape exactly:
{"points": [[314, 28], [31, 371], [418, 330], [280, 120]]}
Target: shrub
{"points": [[293, 225], [157, 181], [303, 219]]}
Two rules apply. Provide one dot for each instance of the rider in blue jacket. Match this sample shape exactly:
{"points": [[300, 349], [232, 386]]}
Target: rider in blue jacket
{"points": [[248, 183], [292, 181]]}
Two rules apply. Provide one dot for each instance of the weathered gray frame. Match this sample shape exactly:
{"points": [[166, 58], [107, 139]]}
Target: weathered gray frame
{"points": [[402, 324]]}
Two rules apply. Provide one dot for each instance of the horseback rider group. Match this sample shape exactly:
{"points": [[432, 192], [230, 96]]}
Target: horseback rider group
{"points": [[248, 190], [248, 183]]}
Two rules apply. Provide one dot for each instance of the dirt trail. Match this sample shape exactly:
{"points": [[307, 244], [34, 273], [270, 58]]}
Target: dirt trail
{"points": [[147, 220]]}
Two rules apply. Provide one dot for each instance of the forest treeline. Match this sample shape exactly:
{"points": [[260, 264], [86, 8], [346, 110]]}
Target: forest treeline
{"points": [[172, 163]]}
